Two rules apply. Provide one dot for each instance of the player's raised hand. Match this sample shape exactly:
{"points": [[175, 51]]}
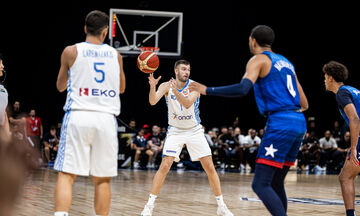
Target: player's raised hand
{"points": [[152, 81], [195, 86], [353, 157], [172, 83]]}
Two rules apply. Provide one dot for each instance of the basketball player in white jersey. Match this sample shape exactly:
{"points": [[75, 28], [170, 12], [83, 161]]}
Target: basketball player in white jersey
{"points": [[184, 129], [4, 123], [93, 75]]}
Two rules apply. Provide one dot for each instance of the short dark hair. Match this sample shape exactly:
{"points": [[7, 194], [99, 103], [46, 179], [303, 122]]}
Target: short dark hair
{"points": [[263, 35], [336, 70], [1, 56], [181, 61], [95, 22]]}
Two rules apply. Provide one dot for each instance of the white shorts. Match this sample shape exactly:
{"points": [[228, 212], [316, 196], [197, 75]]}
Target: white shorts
{"points": [[88, 144], [193, 138]]}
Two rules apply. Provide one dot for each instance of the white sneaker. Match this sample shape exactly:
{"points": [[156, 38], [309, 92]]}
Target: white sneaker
{"points": [[224, 211], [136, 165], [180, 165], [148, 209], [318, 168]]}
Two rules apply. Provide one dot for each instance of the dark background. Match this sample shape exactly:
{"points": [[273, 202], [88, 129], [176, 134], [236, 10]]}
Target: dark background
{"points": [[215, 39]]}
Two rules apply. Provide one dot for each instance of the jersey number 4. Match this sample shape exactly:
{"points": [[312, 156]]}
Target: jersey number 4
{"points": [[290, 85], [101, 72]]}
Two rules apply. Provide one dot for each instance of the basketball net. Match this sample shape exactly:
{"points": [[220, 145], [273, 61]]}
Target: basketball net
{"points": [[152, 49]]}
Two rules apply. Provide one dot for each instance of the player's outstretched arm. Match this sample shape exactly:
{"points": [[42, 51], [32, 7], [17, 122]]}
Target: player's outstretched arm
{"points": [[67, 60], [241, 89], [122, 75], [155, 96], [354, 124], [186, 102], [303, 100]]}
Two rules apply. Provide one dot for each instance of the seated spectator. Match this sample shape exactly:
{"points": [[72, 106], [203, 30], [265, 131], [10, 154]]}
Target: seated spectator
{"points": [[232, 147], [311, 151], [221, 145], [146, 131], [241, 139], [51, 145], [329, 147], [156, 143], [142, 148], [209, 136], [261, 133], [163, 131], [344, 146], [251, 144]]}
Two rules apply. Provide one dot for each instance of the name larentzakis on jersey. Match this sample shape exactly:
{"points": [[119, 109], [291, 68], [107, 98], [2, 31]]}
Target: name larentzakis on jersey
{"points": [[97, 53]]}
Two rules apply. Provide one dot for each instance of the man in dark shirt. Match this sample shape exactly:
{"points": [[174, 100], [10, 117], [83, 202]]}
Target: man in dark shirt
{"points": [[51, 145], [348, 99], [156, 143], [141, 147]]}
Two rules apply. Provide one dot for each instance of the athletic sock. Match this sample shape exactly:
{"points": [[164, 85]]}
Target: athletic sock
{"points": [[262, 187], [151, 200], [350, 212], [60, 213], [220, 200]]}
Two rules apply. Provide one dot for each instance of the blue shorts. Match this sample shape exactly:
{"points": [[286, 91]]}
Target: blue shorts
{"points": [[358, 151], [283, 136]]}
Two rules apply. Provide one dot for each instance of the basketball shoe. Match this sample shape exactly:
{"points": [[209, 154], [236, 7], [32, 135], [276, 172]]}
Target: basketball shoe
{"points": [[224, 211], [148, 209]]}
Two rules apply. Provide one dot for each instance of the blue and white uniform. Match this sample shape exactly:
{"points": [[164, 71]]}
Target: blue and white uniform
{"points": [[184, 128], [88, 141], [349, 95], [278, 99]]}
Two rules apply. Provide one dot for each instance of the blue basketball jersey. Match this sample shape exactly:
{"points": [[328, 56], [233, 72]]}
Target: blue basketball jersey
{"points": [[355, 93], [278, 90]]}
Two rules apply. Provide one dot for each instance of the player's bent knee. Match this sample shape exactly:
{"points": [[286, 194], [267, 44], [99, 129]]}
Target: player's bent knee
{"points": [[100, 180], [67, 177]]}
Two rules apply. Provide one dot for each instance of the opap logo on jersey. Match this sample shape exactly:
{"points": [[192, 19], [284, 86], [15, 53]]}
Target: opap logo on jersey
{"points": [[97, 92], [187, 117]]}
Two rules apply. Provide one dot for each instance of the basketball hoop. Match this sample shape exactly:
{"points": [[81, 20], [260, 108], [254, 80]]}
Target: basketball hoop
{"points": [[152, 49]]}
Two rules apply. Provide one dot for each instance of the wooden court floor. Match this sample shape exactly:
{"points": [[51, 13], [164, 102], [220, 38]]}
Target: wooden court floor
{"points": [[184, 193]]}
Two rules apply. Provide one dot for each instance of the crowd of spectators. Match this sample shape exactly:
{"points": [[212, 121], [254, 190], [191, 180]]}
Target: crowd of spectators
{"points": [[234, 150], [27, 128]]}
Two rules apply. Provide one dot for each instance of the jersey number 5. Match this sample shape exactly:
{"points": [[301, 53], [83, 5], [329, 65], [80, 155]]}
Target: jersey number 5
{"points": [[97, 70], [290, 85]]}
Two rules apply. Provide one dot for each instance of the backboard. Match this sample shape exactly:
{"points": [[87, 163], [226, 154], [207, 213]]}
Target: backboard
{"points": [[131, 29]]}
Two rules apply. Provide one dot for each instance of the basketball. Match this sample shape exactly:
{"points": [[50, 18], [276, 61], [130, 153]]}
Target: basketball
{"points": [[148, 62]]}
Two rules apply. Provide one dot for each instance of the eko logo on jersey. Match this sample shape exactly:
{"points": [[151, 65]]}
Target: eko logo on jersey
{"points": [[188, 117], [97, 92]]}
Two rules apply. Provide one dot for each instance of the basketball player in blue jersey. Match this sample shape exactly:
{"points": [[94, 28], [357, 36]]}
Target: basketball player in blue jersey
{"points": [[348, 99], [92, 73], [184, 129], [280, 98]]}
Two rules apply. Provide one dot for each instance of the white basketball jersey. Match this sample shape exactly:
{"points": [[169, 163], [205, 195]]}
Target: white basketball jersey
{"points": [[94, 80], [3, 104], [179, 116]]}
